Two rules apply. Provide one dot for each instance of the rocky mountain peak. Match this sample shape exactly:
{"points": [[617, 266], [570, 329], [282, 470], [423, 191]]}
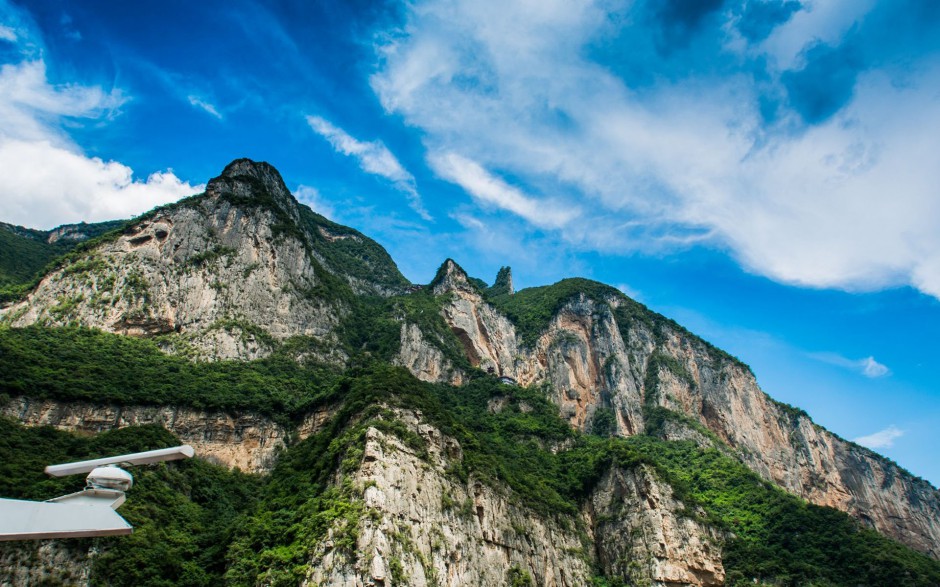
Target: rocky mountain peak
{"points": [[261, 170], [503, 283], [450, 277], [247, 181]]}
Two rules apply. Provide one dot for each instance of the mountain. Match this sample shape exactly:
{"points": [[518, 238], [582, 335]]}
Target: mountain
{"points": [[25, 252], [233, 272], [452, 433]]}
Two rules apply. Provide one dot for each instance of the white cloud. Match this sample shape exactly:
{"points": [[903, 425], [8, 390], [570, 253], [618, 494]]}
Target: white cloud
{"points": [[881, 439], [205, 106], [46, 179], [872, 368], [850, 203], [43, 185], [30, 106], [868, 366], [7, 34], [311, 196], [374, 158], [818, 21], [491, 190]]}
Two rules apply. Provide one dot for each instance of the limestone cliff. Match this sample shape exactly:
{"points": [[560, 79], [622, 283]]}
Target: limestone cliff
{"points": [[639, 536], [47, 562], [421, 525], [424, 527], [599, 351], [229, 273], [247, 441]]}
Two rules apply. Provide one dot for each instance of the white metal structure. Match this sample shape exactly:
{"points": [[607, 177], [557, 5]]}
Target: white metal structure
{"points": [[89, 512], [138, 458]]}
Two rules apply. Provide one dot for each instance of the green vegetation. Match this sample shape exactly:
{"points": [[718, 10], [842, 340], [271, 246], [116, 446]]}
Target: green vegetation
{"points": [[532, 309], [202, 525], [517, 577], [502, 284], [25, 254], [210, 256], [351, 252], [89, 365], [183, 513], [514, 447], [777, 538], [604, 423]]}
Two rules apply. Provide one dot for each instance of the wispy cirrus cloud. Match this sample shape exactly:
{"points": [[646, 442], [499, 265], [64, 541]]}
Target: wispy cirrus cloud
{"points": [[311, 196], [881, 439], [867, 366], [204, 105], [782, 133], [491, 190], [7, 34], [373, 157]]}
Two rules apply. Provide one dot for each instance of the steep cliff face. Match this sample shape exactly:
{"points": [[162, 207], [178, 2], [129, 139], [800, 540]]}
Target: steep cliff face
{"points": [[247, 441], [230, 273], [786, 447], [487, 336], [49, 562], [424, 527], [593, 355], [423, 359], [639, 536]]}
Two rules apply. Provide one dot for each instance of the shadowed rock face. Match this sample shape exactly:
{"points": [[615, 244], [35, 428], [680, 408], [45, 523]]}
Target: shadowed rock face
{"points": [[638, 533], [590, 360]]}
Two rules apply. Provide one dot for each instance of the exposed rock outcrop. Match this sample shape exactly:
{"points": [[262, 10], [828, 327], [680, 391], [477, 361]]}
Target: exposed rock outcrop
{"points": [[229, 274], [423, 360], [640, 533], [46, 562], [589, 359], [216, 271], [235, 272], [247, 441], [424, 527]]}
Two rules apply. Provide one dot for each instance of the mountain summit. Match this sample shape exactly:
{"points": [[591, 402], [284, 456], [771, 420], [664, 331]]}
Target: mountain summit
{"points": [[231, 272]]}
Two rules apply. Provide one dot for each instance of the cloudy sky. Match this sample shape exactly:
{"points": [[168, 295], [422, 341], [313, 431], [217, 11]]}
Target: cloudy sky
{"points": [[766, 172]]}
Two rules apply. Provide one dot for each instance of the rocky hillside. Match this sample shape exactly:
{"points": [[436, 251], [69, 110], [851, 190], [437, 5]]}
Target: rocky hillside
{"points": [[25, 252], [602, 354], [233, 272], [617, 448]]}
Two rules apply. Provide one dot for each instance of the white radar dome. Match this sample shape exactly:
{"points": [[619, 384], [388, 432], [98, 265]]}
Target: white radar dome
{"points": [[110, 477]]}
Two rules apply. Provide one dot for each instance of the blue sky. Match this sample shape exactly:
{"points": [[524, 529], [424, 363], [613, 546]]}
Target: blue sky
{"points": [[764, 172]]}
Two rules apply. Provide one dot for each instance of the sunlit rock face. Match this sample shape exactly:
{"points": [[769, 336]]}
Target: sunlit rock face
{"points": [[229, 274], [422, 527], [590, 360], [247, 441]]}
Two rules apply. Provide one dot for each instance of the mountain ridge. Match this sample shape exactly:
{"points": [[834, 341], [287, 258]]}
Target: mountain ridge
{"points": [[245, 275]]}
